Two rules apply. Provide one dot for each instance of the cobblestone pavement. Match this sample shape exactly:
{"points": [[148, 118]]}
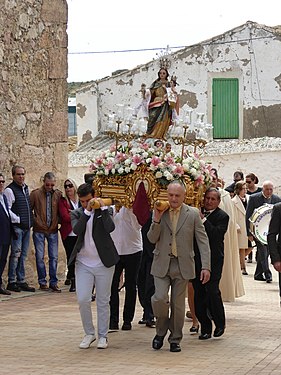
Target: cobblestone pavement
{"points": [[40, 333]]}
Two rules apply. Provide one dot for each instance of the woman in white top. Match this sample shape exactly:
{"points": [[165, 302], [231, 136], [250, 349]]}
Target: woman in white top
{"points": [[240, 204]]}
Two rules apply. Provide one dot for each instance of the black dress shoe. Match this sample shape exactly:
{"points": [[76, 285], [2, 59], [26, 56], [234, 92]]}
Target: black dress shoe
{"points": [[157, 342], [142, 321], [175, 347], [5, 292], [13, 287], [205, 336], [25, 287], [126, 326], [269, 281], [55, 288], [113, 326], [150, 323], [259, 278], [194, 329], [218, 332]]}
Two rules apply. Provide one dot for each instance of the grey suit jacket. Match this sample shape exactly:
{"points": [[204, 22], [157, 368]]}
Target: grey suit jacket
{"points": [[274, 234], [189, 226], [103, 225]]}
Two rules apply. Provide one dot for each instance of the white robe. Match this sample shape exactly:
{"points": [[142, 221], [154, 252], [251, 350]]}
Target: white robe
{"points": [[231, 284]]}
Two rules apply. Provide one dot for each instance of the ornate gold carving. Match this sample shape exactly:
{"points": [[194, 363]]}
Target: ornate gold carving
{"points": [[124, 188]]}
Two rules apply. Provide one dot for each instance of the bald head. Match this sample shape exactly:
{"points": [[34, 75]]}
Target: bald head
{"points": [[267, 189], [176, 194]]}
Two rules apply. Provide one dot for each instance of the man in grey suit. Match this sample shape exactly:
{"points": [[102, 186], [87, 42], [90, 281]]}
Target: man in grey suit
{"points": [[173, 232], [262, 272], [274, 241], [96, 257]]}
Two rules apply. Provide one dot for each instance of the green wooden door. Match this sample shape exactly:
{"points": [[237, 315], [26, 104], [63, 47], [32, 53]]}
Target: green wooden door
{"points": [[225, 116]]}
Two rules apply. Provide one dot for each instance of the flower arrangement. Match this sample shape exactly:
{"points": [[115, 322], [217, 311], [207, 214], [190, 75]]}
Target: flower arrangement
{"points": [[165, 166]]}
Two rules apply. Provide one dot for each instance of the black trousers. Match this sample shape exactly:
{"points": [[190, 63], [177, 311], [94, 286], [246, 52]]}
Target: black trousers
{"points": [[4, 249], [262, 262], [130, 264], [146, 287], [208, 304], [69, 244]]}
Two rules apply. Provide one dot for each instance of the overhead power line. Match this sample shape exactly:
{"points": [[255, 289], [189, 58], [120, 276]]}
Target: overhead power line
{"points": [[163, 48]]}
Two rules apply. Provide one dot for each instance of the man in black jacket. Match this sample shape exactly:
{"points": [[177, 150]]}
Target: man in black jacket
{"points": [[262, 272], [17, 194], [207, 298], [96, 257]]}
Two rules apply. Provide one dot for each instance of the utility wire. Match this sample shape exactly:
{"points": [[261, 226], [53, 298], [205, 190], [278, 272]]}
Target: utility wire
{"points": [[164, 48]]}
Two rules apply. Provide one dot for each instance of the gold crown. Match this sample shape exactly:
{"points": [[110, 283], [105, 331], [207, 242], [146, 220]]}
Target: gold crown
{"points": [[164, 57]]}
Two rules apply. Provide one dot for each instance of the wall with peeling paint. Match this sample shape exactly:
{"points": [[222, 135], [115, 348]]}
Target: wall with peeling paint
{"points": [[251, 53]]}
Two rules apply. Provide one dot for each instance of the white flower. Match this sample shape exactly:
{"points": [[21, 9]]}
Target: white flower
{"points": [[120, 170], [127, 170], [158, 174]]}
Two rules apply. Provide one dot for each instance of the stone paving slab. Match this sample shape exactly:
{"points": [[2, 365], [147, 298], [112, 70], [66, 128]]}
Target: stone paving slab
{"points": [[40, 333]]}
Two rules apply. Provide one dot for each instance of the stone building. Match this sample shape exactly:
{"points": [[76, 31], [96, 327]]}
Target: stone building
{"points": [[234, 78], [33, 89]]}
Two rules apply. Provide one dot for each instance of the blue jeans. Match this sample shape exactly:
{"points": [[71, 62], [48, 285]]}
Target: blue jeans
{"points": [[19, 249], [39, 243]]}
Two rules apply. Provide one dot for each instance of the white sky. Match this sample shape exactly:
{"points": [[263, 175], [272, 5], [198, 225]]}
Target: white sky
{"points": [[114, 25]]}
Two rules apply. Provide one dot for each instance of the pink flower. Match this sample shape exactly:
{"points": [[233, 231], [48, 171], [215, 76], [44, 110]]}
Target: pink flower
{"points": [[155, 161], [179, 169], [199, 180], [99, 161], [120, 157], [93, 167], [137, 159], [169, 160], [112, 147], [109, 165], [144, 146]]}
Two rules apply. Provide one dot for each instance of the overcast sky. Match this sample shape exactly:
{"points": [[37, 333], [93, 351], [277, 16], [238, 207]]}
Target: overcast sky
{"points": [[104, 26]]}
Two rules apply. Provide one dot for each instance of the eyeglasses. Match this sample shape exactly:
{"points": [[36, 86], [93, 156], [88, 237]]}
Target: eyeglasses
{"points": [[68, 186], [2, 181], [248, 182]]}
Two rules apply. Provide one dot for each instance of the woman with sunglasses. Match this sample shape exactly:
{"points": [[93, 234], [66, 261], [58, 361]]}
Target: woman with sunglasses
{"points": [[69, 201]]}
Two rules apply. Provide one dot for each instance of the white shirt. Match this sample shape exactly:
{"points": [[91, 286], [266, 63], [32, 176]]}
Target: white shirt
{"points": [[3, 204], [11, 199], [75, 205], [127, 234], [88, 254]]}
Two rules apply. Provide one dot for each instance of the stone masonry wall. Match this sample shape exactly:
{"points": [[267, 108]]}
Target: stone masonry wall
{"points": [[33, 90]]}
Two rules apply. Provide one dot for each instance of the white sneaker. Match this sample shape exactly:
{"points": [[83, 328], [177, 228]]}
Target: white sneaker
{"points": [[86, 342], [102, 343]]}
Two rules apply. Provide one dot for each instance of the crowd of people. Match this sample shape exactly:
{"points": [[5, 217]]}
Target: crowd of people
{"points": [[164, 256]]}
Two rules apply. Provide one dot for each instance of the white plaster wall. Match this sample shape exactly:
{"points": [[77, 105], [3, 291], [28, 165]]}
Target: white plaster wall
{"points": [[255, 64], [88, 101], [265, 165]]}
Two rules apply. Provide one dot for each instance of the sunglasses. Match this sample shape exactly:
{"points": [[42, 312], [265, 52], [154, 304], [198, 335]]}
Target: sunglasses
{"points": [[68, 186], [2, 181]]}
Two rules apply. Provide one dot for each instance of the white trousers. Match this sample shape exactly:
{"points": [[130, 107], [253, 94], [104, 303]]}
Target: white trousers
{"points": [[101, 278]]}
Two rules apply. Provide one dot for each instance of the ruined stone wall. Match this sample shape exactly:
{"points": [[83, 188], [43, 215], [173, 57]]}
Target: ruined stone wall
{"points": [[33, 89]]}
